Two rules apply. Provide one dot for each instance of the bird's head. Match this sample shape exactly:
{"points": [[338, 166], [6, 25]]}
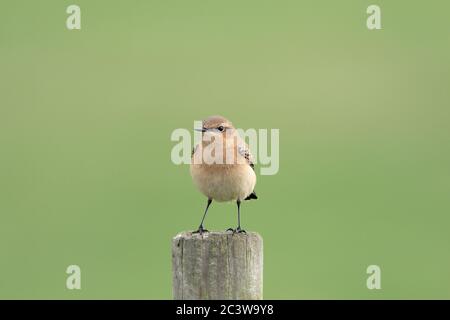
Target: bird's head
{"points": [[216, 125]]}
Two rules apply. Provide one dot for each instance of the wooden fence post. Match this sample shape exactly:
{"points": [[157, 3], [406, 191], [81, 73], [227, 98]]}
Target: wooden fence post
{"points": [[217, 265]]}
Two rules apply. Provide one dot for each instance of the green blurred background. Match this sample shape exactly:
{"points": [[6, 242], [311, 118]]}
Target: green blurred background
{"points": [[86, 118]]}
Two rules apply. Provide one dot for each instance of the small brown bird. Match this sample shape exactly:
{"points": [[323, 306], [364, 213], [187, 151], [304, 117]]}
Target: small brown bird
{"points": [[222, 166]]}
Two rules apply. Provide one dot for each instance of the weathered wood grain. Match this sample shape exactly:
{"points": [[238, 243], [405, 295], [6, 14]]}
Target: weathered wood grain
{"points": [[217, 265]]}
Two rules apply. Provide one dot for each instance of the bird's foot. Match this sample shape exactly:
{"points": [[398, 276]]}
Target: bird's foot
{"points": [[237, 230], [200, 230]]}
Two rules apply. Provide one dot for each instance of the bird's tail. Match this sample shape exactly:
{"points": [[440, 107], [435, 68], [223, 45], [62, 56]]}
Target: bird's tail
{"points": [[252, 196]]}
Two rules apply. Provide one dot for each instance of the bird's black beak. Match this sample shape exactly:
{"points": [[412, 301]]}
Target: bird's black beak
{"points": [[201, 130]]}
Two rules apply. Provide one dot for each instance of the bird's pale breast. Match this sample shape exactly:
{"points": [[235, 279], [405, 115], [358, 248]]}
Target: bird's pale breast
{"points": [[223, 182]]}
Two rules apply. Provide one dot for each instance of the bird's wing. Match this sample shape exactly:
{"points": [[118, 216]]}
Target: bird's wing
{"points": [[193, 150], [245, 152]]}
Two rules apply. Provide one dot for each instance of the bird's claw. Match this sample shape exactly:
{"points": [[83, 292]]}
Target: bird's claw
{"points": [[237, 230], [200, 230]]}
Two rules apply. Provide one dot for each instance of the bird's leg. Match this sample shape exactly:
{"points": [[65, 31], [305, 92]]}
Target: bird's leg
{"points": [[238, 229], [200, 228]]}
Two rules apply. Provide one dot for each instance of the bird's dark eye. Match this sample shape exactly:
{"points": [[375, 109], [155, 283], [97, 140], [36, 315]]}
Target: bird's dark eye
{"points": [[220, 128]]}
